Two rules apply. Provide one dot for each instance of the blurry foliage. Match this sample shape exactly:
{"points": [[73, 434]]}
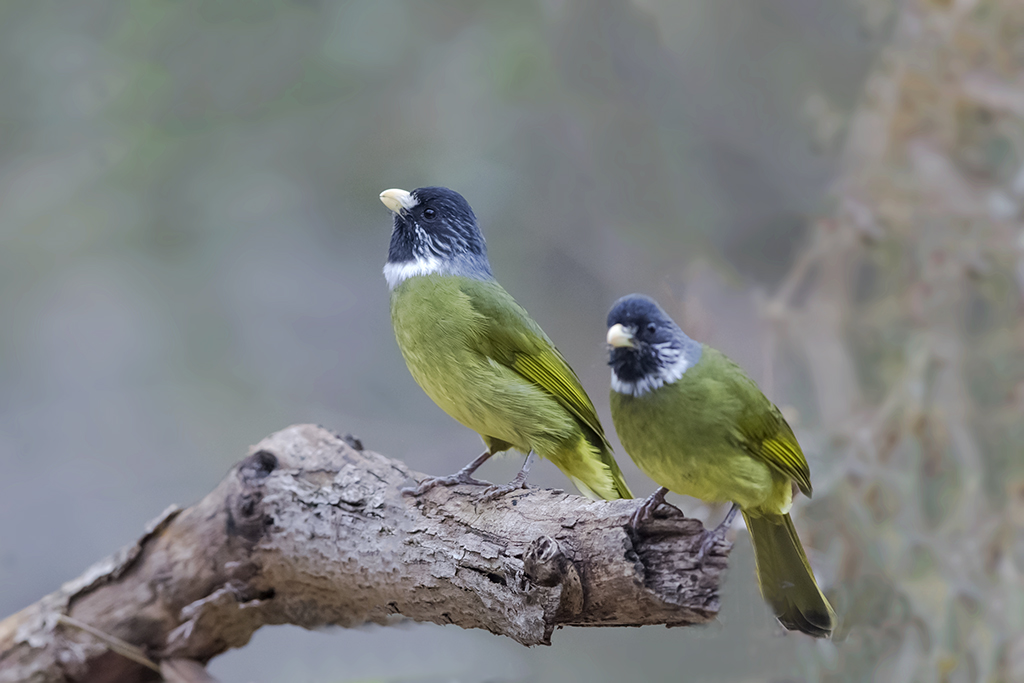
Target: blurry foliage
{"points": [[921, 269]]}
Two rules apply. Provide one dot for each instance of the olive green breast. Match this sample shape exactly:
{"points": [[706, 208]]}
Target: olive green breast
{"points": [[443, 338], [689, 435]]}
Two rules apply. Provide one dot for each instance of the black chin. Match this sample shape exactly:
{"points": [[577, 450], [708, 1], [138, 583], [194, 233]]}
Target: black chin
{"points": [[403, 245], [633, 364]]}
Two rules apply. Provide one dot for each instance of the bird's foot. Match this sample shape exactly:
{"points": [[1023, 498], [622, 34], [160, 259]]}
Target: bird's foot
{"points": [[451, 480], [497, 491], [645, 511], [712, 537], [463, 476], [717, 535]]}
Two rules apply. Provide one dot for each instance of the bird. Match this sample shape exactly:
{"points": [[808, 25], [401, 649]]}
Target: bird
{"points": [[696, 423], [479, 356]]}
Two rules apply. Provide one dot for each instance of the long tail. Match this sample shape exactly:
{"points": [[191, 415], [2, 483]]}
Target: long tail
{"points": [[786, 580]]}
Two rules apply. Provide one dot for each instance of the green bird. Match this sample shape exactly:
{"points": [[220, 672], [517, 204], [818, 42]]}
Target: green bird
{"points": [[696, 424], [477, 353]]}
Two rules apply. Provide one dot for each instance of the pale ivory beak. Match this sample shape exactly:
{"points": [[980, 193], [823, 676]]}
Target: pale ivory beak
{"points": [[619, 337], [397, 200]]}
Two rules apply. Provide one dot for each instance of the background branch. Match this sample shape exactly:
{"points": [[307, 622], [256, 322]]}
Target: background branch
{"points": [[311, 530]]}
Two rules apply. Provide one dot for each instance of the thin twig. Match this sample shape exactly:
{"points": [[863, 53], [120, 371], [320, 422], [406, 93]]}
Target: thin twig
{"points": [[115, 644]]}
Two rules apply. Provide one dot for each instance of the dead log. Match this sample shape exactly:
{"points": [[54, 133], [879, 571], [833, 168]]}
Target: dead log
{"points": [[311, 530]]}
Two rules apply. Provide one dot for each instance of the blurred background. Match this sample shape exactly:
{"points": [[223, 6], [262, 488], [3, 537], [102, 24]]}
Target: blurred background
{"points": [[827, 190]]}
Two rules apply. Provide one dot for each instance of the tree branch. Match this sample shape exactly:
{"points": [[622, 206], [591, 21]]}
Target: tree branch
{"points": [[309, 530]]}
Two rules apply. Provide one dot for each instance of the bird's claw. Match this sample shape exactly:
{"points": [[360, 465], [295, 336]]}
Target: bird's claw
{"points": [[716, 535], [645, 511], [498, 490], [710, 540], [451, 480]]}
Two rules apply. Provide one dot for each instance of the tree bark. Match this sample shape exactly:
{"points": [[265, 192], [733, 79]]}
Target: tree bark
{"points": [[312, 530]]}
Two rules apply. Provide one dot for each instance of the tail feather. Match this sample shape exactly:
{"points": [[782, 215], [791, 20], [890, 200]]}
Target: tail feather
{"points": [[785, 577], [618, 481], [592, 468]]}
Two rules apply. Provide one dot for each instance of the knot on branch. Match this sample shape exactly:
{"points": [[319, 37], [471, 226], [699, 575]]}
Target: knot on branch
{"points": [[257, 466], [246, 518], [547, 564]]}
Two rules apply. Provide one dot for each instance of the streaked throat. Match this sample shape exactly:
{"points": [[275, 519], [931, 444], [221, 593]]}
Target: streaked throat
{"points": [[674, 363]]}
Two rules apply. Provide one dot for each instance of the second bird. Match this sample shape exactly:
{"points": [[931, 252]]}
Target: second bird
{"points": [[477, 353], [695, 423]]}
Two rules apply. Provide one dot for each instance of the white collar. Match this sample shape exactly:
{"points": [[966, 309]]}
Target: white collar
{"points": [[668, 374], [397, 273]]}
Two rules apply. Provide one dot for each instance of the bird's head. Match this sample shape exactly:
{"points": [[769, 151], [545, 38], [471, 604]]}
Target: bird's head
{"points": [[646, 348], [434, 231]]}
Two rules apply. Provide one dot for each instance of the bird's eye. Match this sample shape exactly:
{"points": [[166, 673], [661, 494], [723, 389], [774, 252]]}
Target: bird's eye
{"points": [[429, 214], [651, 328]]}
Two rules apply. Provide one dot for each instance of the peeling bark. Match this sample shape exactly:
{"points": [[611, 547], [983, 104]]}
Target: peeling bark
{"points": [[309, 530]]}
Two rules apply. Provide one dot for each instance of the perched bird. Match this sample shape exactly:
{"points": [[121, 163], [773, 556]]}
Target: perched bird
{"points": [[696, 424], [477, 353]]}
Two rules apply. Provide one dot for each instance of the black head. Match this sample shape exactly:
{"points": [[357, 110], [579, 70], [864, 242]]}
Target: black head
{"points": [[644, 319], [647, 348], [432, 223]]}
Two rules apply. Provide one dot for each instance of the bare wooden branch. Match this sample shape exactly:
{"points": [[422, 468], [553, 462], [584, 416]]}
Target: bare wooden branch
{"points": [[308, 530]]}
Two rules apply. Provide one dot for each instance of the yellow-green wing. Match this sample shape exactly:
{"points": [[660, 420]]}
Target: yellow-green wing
{"points": [[782, 452], [763, 431], [549, 369], [513, 339]]}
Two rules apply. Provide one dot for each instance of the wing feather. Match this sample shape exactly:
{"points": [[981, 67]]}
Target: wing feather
{"points": [[764, 432], [510, 337], [513, 339]]}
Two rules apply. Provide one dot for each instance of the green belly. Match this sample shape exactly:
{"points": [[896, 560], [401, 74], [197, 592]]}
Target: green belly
{"points": [[680, 436], [436, 328]]}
